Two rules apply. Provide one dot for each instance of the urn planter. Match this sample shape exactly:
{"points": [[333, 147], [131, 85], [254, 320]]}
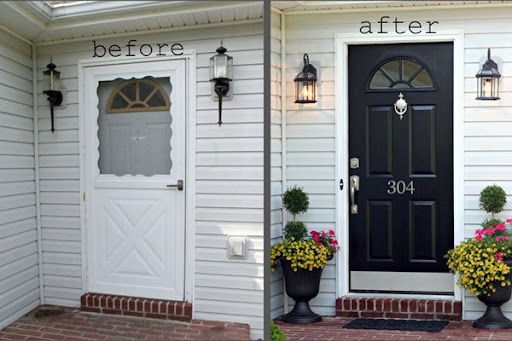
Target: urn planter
{"points": [[493, 317], [301, 285]]}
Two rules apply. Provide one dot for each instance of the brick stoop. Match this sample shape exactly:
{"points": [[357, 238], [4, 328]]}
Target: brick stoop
{"points": [[136, 306], [420, 309]]}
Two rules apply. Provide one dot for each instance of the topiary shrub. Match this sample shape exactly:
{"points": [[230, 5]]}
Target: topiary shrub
{"points": [[492, 199], [296, 230], [295, 201]]}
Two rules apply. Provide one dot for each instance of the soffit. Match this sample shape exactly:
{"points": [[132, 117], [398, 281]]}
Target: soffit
{"points": [[296, 7], [40, 22]]}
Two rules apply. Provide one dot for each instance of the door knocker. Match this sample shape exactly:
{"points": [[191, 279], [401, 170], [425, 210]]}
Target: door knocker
{"points": [[400, 106]]}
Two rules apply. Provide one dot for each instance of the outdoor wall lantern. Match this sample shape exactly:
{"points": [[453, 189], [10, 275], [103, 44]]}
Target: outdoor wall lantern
{"points": [[221, 73], [305, 83], [488, 80], [54, 94]]}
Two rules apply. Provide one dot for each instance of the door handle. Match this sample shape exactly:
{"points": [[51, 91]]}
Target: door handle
{"points": [[179, 185], [354, 186]]}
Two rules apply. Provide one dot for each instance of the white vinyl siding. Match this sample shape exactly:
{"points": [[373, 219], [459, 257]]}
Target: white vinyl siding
{"points": [[310, 129], [19, 270], [229, 175], [276, 227]]}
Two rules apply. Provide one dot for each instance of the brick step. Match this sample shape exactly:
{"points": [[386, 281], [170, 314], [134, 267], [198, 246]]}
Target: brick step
{"points": [[136, 306], [420, 309]]}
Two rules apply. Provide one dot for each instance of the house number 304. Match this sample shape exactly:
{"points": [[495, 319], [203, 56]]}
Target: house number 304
{"points": [[400, 187]]}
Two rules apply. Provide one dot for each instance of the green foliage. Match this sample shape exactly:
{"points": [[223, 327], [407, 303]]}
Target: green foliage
{"points": [[492, 199], [276, 333], [295, 200], [296, 230], [491, 222]]}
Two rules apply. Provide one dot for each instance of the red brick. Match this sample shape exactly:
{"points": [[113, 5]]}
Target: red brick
{"points": [[110, 302], [362, 304], [457, 307], [155, 316], [90, 309], [393, 315], [139, 305], [131, 304], [188, 309], [124, 303], [439, 307], [346, 303], [370, 304], [89, 300], [386, 304], [395, 305], [413, 306], [422, 306], [420, 316], [353, 304], [448, 307], [374, 314], [96, 300], [430, 306], [379, 304], [351, 314], [112, 311], [404, 306], [133, 313]]}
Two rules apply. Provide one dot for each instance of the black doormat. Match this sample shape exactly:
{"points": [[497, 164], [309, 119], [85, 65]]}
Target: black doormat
{"points": [[392, 324]]}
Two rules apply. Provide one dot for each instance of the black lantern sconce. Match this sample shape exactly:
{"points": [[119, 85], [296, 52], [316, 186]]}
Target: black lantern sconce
{"points": [[221, 73], [54, 94], [305, 83], [488, 80]]}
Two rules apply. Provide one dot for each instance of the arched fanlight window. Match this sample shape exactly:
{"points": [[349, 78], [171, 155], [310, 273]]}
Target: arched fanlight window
{"points": [[401, 73], [136, 95]]}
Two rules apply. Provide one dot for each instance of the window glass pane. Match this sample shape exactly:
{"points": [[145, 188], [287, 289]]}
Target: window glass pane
{"points": [[392, 69], [119, 102], [409, 68], [379, 81], [422, 80], [136, 142], [401, 86]]}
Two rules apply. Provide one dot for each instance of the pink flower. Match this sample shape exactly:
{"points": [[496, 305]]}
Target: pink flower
{"points": [[501, 227], [331, 232], [498, 256], [509, 221]]}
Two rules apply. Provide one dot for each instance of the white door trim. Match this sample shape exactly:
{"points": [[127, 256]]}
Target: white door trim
{"points": [[190, 107], [342, 41]]}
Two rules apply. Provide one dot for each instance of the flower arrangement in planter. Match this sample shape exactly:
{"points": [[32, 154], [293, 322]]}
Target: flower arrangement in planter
{"points": [[302, 257], [483, 262], [479, 260], [303, 251]]}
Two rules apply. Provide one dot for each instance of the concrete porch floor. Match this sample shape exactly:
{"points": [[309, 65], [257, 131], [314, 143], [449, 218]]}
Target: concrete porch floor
{"points": [[331, 328], [58, 323]]}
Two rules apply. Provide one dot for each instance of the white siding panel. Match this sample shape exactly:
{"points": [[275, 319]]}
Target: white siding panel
{"points": [[19, 274], [310, 129], [229, 174]]}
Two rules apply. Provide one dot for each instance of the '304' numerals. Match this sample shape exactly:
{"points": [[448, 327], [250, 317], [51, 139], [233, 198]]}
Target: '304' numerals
{"points": [[400, 187]]}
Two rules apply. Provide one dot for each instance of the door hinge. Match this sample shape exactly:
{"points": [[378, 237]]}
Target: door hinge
{"points": [[341, 184], [83, 196]]}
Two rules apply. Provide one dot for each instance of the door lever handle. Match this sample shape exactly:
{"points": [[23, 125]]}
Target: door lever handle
{"points": [[354, 186], [179, 185]]}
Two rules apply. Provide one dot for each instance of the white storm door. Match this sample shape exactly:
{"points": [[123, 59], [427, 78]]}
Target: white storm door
{"points": [[135, 163]]}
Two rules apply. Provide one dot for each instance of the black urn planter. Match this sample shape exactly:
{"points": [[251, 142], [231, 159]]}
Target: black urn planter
{"points": [[493, 317], [301, 285]]}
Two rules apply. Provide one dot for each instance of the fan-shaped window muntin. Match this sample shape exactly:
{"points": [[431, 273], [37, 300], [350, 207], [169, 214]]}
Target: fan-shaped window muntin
{"points": [[137, 95], [401, 73]]}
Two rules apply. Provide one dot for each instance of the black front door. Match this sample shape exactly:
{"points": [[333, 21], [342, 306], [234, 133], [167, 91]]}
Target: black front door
{"points": [[403, 158]]}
